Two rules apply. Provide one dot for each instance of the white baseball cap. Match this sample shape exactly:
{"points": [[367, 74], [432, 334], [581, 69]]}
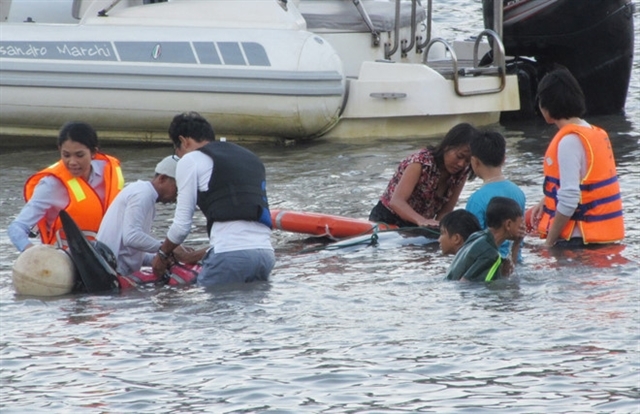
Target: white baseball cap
{"points": [[167, 166]]}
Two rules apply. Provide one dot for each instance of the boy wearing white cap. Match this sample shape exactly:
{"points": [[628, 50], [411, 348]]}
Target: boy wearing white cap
{"points": [[126, 227]]}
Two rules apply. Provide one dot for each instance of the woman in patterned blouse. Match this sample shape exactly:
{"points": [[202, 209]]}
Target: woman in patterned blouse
{"points": [[427, 184]]}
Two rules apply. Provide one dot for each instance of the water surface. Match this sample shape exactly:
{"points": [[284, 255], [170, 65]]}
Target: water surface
{"points": [[363, 329]]}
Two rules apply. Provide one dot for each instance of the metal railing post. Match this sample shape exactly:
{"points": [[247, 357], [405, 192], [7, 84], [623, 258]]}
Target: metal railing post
{"points": [[422, 45], [407, 49], [396, 34]]}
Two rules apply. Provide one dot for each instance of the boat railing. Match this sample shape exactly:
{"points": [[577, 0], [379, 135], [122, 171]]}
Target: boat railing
{"points": [[408, 45], [103, 12], [367, 20], [497, 68], [412, 38], [388, 49], [79, 7], [421, 45]]}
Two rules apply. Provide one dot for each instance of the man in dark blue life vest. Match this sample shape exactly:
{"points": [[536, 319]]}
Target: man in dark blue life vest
{"points": [[227, 182]]}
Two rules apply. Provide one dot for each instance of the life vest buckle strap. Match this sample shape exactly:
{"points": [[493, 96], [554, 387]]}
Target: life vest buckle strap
{"points": [[552, 180], [599, 184], [583, 209], [600, 217], [550, 212]]}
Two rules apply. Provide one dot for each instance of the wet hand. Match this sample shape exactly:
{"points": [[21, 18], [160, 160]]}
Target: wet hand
{"points": [[521, 231], [183, 254], [159, 265], [429, 223], [536, 215], [507, 267]]}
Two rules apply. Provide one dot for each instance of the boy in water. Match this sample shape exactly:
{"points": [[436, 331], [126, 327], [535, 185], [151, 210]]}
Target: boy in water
{"points": [[479, 258], [488, 152], [455, 229]]}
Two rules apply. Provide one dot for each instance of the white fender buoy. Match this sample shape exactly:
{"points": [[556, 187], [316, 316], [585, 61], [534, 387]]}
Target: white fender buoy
{"points": [[43, 270]]}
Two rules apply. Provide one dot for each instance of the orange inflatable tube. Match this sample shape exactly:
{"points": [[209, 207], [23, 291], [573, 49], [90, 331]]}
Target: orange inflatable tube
{"points": [[324, 224]]}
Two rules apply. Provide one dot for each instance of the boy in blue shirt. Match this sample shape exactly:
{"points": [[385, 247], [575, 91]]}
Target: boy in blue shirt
{"points": [[487, 157], [479, 258]]}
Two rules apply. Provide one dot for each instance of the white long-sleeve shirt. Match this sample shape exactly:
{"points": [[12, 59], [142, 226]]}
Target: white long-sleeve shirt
{"points": [[126, 227], [193, 173], [49, 197], [572, 160]]}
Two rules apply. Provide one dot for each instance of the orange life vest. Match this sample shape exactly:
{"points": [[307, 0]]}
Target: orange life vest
{"points": [[599, 212], [85, 206]]}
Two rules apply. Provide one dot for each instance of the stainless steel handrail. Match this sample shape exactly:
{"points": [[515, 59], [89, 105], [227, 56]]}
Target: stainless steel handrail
{"points": [[396, 35], [498, 67], [454, 57], [421, 46], [414, 24], [476, 70], [103, 12], [367, 21]]}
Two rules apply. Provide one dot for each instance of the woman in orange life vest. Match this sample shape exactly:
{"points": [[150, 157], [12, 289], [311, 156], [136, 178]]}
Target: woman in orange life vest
{"points": [[581, 203], [83, 182]]}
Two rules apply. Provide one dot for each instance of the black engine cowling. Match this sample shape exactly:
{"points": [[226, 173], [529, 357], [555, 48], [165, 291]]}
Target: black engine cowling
{"points": [[592, 38]]}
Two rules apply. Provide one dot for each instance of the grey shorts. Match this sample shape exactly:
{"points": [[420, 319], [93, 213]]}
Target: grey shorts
{"points": [[240, 266]]}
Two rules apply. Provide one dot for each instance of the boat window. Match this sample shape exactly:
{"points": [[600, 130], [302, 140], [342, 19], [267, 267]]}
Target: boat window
{"points": [[207, 53], [231, 53]]}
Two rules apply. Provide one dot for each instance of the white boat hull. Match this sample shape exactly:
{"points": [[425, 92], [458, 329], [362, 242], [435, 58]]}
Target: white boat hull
{"points": [[44, 82], [128, 75]]}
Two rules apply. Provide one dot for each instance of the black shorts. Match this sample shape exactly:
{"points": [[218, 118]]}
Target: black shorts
{"points": [[381, 214]]}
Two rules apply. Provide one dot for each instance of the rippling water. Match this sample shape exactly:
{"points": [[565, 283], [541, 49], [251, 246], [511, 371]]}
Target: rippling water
{"points": [[360, 329]]}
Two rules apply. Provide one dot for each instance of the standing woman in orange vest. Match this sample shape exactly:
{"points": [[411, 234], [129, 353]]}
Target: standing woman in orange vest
{"points": [[581, 203], [83, 182]]}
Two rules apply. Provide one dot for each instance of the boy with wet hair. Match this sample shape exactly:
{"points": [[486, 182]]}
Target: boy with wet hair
{"points": [[455, 229], [488, 153], [479, 258]]}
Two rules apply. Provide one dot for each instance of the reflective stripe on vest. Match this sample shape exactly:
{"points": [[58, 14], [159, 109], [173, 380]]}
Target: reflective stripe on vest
{"points": [[120, 178], [493, 270], [76, 189]]}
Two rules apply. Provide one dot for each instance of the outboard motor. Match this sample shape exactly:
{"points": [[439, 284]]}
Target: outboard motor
{"points": [[593, 39]]}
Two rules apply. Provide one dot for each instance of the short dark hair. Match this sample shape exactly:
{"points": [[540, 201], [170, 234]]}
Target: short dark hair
{"points": [[190, 125], [460, 222], [80, 132], [489, 147], [560, 94], [501, 209]]}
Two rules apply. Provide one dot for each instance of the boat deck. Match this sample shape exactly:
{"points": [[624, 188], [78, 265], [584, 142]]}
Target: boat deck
{"points": [[465, 67]]}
